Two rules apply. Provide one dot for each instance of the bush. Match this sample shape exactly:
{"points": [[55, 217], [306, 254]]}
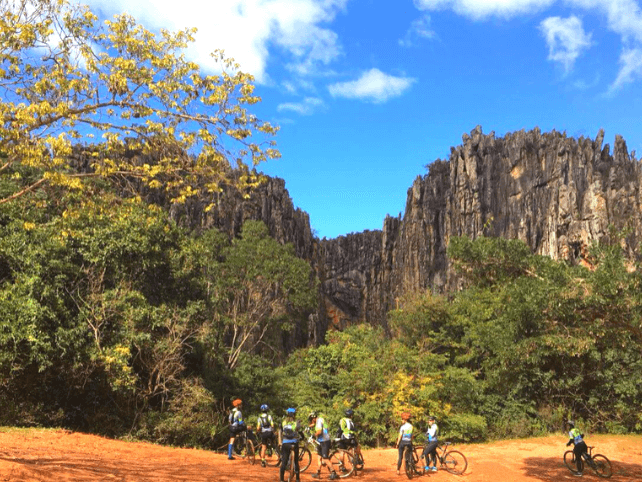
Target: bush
{"points": [[465, 427]]}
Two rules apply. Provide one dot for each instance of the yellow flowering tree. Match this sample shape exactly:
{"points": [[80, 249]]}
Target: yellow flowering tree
{"points": [[128, 96]]}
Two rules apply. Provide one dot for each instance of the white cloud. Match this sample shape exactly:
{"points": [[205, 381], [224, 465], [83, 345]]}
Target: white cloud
{"points": [[246, 29], [479, 9], [566, 39], [419, 28], [373, 85], [307, 107], [630, 70]]}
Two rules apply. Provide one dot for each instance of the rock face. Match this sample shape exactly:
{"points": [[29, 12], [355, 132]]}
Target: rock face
{"points": [[555, 193]]}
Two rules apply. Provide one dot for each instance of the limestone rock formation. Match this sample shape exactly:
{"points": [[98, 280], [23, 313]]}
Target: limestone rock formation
{"points": [[556, 193]]}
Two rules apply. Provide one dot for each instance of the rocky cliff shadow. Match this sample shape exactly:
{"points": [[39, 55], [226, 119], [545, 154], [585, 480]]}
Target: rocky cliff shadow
{"points": [[553, 469]]}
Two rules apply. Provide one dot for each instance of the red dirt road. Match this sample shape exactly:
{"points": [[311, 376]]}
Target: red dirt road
{"points": [[46, 455]]}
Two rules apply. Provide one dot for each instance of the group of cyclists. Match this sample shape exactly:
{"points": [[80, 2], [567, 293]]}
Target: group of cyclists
{"points": [[292, 432]]}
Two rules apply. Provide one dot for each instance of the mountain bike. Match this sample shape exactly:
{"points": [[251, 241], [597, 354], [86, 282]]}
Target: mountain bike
{"points": [[289, 468], [244, 447], [272, 453], [453, 461], [273, 456], [598, 462]]}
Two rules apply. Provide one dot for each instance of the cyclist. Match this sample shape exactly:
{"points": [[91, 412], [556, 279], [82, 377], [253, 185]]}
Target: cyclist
{"points": [[405, 437], [237, 425], [579, 449], [431, 445], [265, 429], [290, 430], [319, 427], [347, 435]]}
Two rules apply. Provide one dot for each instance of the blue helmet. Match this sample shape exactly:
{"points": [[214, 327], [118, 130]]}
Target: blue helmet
{"points": [[264, 408], [290, 411], [349, 412]]}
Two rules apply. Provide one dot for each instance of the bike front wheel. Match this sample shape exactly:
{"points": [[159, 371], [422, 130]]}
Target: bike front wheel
{"points": [[342, 463], [569, 460], [602, 466], [272, 455], [290, 467], [249, 452], [305, 459], [455, 462]]}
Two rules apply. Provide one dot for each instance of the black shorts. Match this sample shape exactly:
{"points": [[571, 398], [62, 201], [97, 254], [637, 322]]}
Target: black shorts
{"points": [[346, 443], [323, 449], [266, 437], [235, 430]]}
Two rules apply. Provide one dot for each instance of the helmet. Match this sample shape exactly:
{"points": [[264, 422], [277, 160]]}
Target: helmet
{"points": [[432, 417], [405, 416], [312, 415], [570, 423], [349, 412], [237, 402], [264, 408], [290, 411]]}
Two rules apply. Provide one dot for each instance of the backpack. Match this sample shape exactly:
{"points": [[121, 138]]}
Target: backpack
{"points": [[265, 421]]}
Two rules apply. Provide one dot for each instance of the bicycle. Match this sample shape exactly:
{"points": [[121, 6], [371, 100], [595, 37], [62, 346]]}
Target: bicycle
{"points": [[598, 462], [273, 456], [244, 447], [453, 461]]}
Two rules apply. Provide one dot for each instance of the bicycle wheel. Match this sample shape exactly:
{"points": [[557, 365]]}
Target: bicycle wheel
{"points": [[239, 446], [358, 461], [455, 462], [341, 463], [602, 466], [272, 455], [305, 459], [409, 458], [569, 460], [290, 467], [249, 452]]}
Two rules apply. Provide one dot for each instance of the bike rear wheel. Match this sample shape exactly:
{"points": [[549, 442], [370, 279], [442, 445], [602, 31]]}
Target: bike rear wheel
{"points": [[602, 466], [455, 462], [305, 459], [569, 460], [409, 458]]}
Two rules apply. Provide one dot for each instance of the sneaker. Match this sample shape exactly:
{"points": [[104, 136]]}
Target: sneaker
{"points": [[231, 458], [333, 476], [434, 469], [579, 474], [316, 475], [426, 468]]}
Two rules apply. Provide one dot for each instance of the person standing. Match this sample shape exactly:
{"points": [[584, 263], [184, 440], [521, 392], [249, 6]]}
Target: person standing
{"points": [[319, 428], [431, 445], [579, 449], [405, 437], [237, 425], [290, 430], [265, 429]]}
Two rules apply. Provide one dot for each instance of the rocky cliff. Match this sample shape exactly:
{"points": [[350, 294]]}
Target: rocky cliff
{"points": [[554, 192]]}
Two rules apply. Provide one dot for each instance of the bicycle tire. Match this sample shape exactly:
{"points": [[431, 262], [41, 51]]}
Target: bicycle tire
{"points": [[569, 460], [249, 452], [455, 462], [358, 462], [338, 466], [602, 466], [305, 459], [272, 455], [417, 453], [290, 466], [409, 461]]}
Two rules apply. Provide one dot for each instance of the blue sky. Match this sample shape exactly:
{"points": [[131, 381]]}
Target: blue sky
{"points": [[367, 92]]}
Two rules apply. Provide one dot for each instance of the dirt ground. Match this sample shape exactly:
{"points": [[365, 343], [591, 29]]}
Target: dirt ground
{"points": [[47, 455]]}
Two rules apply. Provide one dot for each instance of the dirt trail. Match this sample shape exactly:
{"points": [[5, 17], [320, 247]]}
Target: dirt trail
{"points": [[44, 455]]}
